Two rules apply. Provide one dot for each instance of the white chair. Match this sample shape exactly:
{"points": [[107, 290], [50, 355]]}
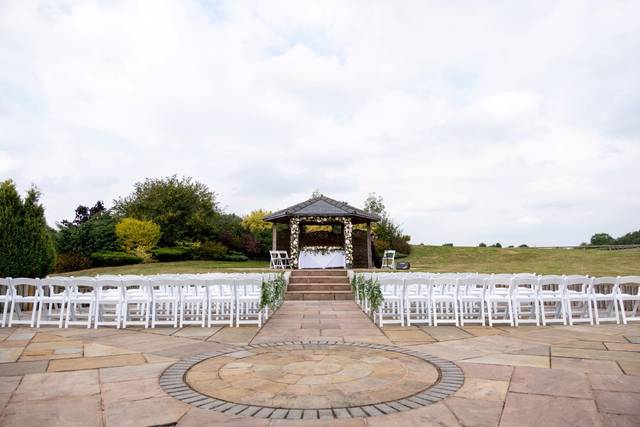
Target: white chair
{"points": [[5, 298], [53, 293], [471, 298], [81, 298], [275, 262], [498, 299], [248, 295], [388, 259], [136, 293], [165, 301], [391, 308], [577, 299], [604, 293], [416, 300], [221, 297], [525, 300], [444, 301], [551, 300], [193, 301], [285, 260], [29, 295], [108, 303], [629, 292]]}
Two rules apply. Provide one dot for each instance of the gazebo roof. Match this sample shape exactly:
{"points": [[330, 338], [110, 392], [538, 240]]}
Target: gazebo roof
{"points": [[322, 206]]}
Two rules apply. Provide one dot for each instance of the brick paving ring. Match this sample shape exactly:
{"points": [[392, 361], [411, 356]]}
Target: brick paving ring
{"points": [[312, 380]]}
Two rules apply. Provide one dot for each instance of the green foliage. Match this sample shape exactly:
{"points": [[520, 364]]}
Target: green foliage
{"points": [[72, 262], [137, 236], [185, 210], [26, 244], [632, 238], [254, 222], [367, 289], [110, 259], [178, 253], [235, 258], [272, 292], [388, 234], [93, 230], [482, 245], [496, 245], [447, 244], [602, 239], [523, 246], [212, 251]]}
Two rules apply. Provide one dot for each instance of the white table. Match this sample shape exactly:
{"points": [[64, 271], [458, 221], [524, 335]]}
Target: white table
{"points": [[333, 259]]}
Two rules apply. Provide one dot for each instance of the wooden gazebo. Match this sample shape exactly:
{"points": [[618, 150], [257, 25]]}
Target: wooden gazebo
{"points": [[324, 224]]}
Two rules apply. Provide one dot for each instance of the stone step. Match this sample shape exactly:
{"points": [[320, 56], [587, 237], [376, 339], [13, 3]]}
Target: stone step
{"points": [[318, 295], [329, 272], [318, 279], [318, 287]]}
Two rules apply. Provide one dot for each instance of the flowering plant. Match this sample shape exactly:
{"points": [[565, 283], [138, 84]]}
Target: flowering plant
{"points": [[294, 226], [323, 250]]}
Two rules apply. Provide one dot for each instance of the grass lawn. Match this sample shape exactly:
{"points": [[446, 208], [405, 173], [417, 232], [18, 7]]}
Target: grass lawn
{"points": [[441, 259], [542, 261], [173, 267]]}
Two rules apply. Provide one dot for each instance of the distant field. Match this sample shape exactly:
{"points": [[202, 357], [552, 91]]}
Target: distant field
{"points": [[442, 259], [542, 261]]}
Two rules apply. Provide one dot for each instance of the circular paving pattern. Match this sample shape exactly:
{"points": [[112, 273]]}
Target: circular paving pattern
{"points": [[312, 379]]}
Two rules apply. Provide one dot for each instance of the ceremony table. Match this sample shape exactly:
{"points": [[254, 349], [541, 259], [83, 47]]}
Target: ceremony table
{"points": [[314, 259]]}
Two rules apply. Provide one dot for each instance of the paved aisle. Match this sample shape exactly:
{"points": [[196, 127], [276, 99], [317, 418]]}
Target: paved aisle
{"points": [[332, 320]]}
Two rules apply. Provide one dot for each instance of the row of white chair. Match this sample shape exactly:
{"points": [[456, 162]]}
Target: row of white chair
{"points": [[121, 301], [511, 299]]}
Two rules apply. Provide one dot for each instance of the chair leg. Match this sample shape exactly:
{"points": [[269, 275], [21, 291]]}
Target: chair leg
{"points": [[595, 308], [511, 311], [61, 314], [623, 314], [89, 314]]}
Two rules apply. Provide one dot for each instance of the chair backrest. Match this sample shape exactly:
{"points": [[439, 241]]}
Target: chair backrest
{"points": [[48, 285], [5, 286], [391, 285], [249, 286], [551, 283], [389, 254], [472, 285], [604, 285], [444, 284], [499, 284], [525, 286], [627, 283], [576, 283], [221, 286], [25, 287], [417, 285]]}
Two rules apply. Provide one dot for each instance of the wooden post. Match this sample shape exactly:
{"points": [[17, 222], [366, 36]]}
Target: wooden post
{"points": [[274, 237], [369, 260]]}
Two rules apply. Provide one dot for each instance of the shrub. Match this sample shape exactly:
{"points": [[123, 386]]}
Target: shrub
{"points": [[482, 245], [178, 253], [602, 239], [523, 246], [448, 244], [112, 259], [71, 262], [137, 236], [212, 251], [92, 230], [235, 258], [26, 245], [496, 245]]}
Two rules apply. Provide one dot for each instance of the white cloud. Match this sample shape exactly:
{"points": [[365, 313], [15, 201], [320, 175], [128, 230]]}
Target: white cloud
{"points": [[476, 123]]}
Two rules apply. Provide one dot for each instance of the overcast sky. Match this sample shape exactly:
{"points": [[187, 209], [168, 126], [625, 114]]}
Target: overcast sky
{"points": [[516, 122]]}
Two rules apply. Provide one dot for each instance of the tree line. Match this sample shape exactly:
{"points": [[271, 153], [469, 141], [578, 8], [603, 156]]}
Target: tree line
{"points": [[164, 219]]}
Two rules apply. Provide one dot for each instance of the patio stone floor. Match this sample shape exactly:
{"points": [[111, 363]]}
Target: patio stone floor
{"points": [[552, 376]]}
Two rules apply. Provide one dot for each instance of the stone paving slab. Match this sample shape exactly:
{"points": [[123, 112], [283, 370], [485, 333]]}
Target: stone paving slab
{"points": [[599, 363]]}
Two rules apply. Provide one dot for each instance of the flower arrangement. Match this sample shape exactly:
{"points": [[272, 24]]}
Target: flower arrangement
{"points": [[294, 226], [323, 250]]}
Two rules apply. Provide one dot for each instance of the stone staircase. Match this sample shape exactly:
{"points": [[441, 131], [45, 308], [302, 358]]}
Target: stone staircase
{"points": [[314, 285]]}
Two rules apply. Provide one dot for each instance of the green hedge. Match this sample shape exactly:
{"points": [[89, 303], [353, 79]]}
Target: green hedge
{"points": [[112, 259], [179, 253]]}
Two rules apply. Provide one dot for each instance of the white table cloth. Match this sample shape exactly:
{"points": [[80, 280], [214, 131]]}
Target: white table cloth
{"points": [[333, 259]]}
